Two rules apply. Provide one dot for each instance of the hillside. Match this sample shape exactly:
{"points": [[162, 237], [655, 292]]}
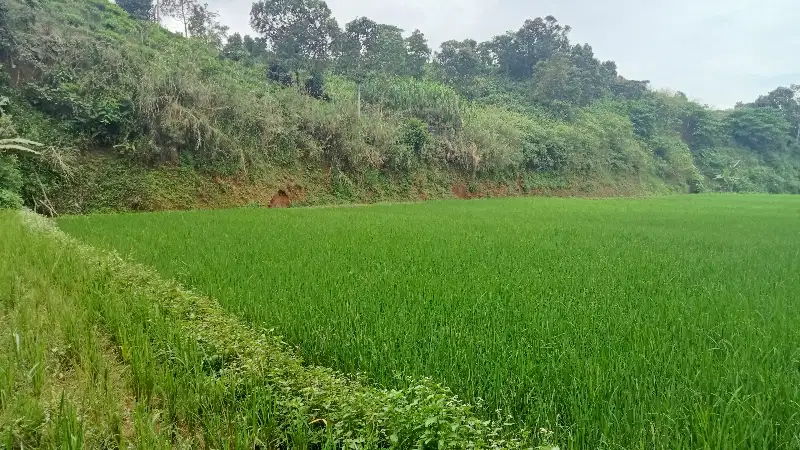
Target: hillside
{"points": [[135, 117]]}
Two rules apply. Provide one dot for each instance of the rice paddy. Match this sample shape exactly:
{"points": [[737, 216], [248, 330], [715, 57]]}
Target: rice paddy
{"points": [[617, 323]]}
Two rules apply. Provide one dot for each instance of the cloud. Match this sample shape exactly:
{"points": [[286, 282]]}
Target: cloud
{"points": [[716, 51]]}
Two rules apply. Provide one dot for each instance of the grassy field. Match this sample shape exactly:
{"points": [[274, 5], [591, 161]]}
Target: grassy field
{"points": [[97, 352], [617, 323]]}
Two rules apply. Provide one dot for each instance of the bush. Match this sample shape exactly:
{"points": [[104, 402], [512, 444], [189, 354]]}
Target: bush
{"points": [[493, 139], [10, 176], [613, 142], [414, 135], [9, 199], [546, 148], [10, 182], [315, 85], [674, 163]]}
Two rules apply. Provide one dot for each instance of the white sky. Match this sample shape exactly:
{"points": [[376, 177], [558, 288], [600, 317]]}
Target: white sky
{"points": [[716, 51]]}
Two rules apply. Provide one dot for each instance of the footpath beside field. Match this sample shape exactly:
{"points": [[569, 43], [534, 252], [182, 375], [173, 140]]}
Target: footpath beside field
{"points": [[97, 352]]}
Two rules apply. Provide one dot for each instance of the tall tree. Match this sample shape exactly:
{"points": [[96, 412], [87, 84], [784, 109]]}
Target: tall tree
{"points": [[179, 9], [762, 129], [516, 53], [538, 40], [554, 82], [139, 9], [700, 126], [418, 53], [390, 54], [357, 46], [787, 101], [366, 48], [498, 52], [459, 60], [6, 37], [300, 32], [203, 24], [630, 89], [257, 48], [594, 78], [234, 48]]}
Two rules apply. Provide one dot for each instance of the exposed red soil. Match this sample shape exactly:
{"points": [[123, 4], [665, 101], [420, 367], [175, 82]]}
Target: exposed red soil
{"points": [[460, 190], [280, 200]]}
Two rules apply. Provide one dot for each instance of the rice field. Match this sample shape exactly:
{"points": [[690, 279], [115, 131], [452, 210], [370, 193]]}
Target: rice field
{"points": [[617, 323]]}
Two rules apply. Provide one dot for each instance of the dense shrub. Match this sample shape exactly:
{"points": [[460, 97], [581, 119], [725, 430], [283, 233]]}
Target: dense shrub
{"points": [[10, 176], [414, 135], [433, 103]]}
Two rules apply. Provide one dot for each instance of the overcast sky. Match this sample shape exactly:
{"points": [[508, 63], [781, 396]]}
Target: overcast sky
{"points": [[716, 51]]}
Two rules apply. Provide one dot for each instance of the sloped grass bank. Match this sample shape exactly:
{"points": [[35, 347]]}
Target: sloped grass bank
{"points": [[216, 383]]}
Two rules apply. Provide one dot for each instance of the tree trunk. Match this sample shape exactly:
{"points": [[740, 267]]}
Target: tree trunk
{"points": [[185, 22], [358, 103]]}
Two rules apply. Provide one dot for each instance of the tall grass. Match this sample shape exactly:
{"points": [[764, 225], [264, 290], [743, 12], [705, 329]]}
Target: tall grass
{"points": [[658, 323], [62, 384]]}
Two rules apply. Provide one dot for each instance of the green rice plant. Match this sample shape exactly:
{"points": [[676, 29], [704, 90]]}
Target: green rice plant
{"points": [[616, 323], [197, 375]]}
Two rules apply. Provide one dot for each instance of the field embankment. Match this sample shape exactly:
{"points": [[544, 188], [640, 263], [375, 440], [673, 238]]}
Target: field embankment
{"points": [[104, 353], [107, 184]]}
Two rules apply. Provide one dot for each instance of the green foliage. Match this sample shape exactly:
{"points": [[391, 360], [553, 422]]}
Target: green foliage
{"points": [[610, 143], [139, 9], [315, 85], [459, 61], [234, 48], [203, 26], [7, 43], [760, 129], [787, 101], [433, 103], [10, 176], [8, 199], [734, 169], [701, 127], [280, 74], [554, 83], [417, 53], [643, 116], [492, 141], [10, 182], [299, 31], [515, 54], [675, 165], [414, 134], [572, 78]]}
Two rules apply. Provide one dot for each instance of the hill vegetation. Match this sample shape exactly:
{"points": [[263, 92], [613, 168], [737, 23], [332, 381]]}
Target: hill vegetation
{"points": [[364, 112]]}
